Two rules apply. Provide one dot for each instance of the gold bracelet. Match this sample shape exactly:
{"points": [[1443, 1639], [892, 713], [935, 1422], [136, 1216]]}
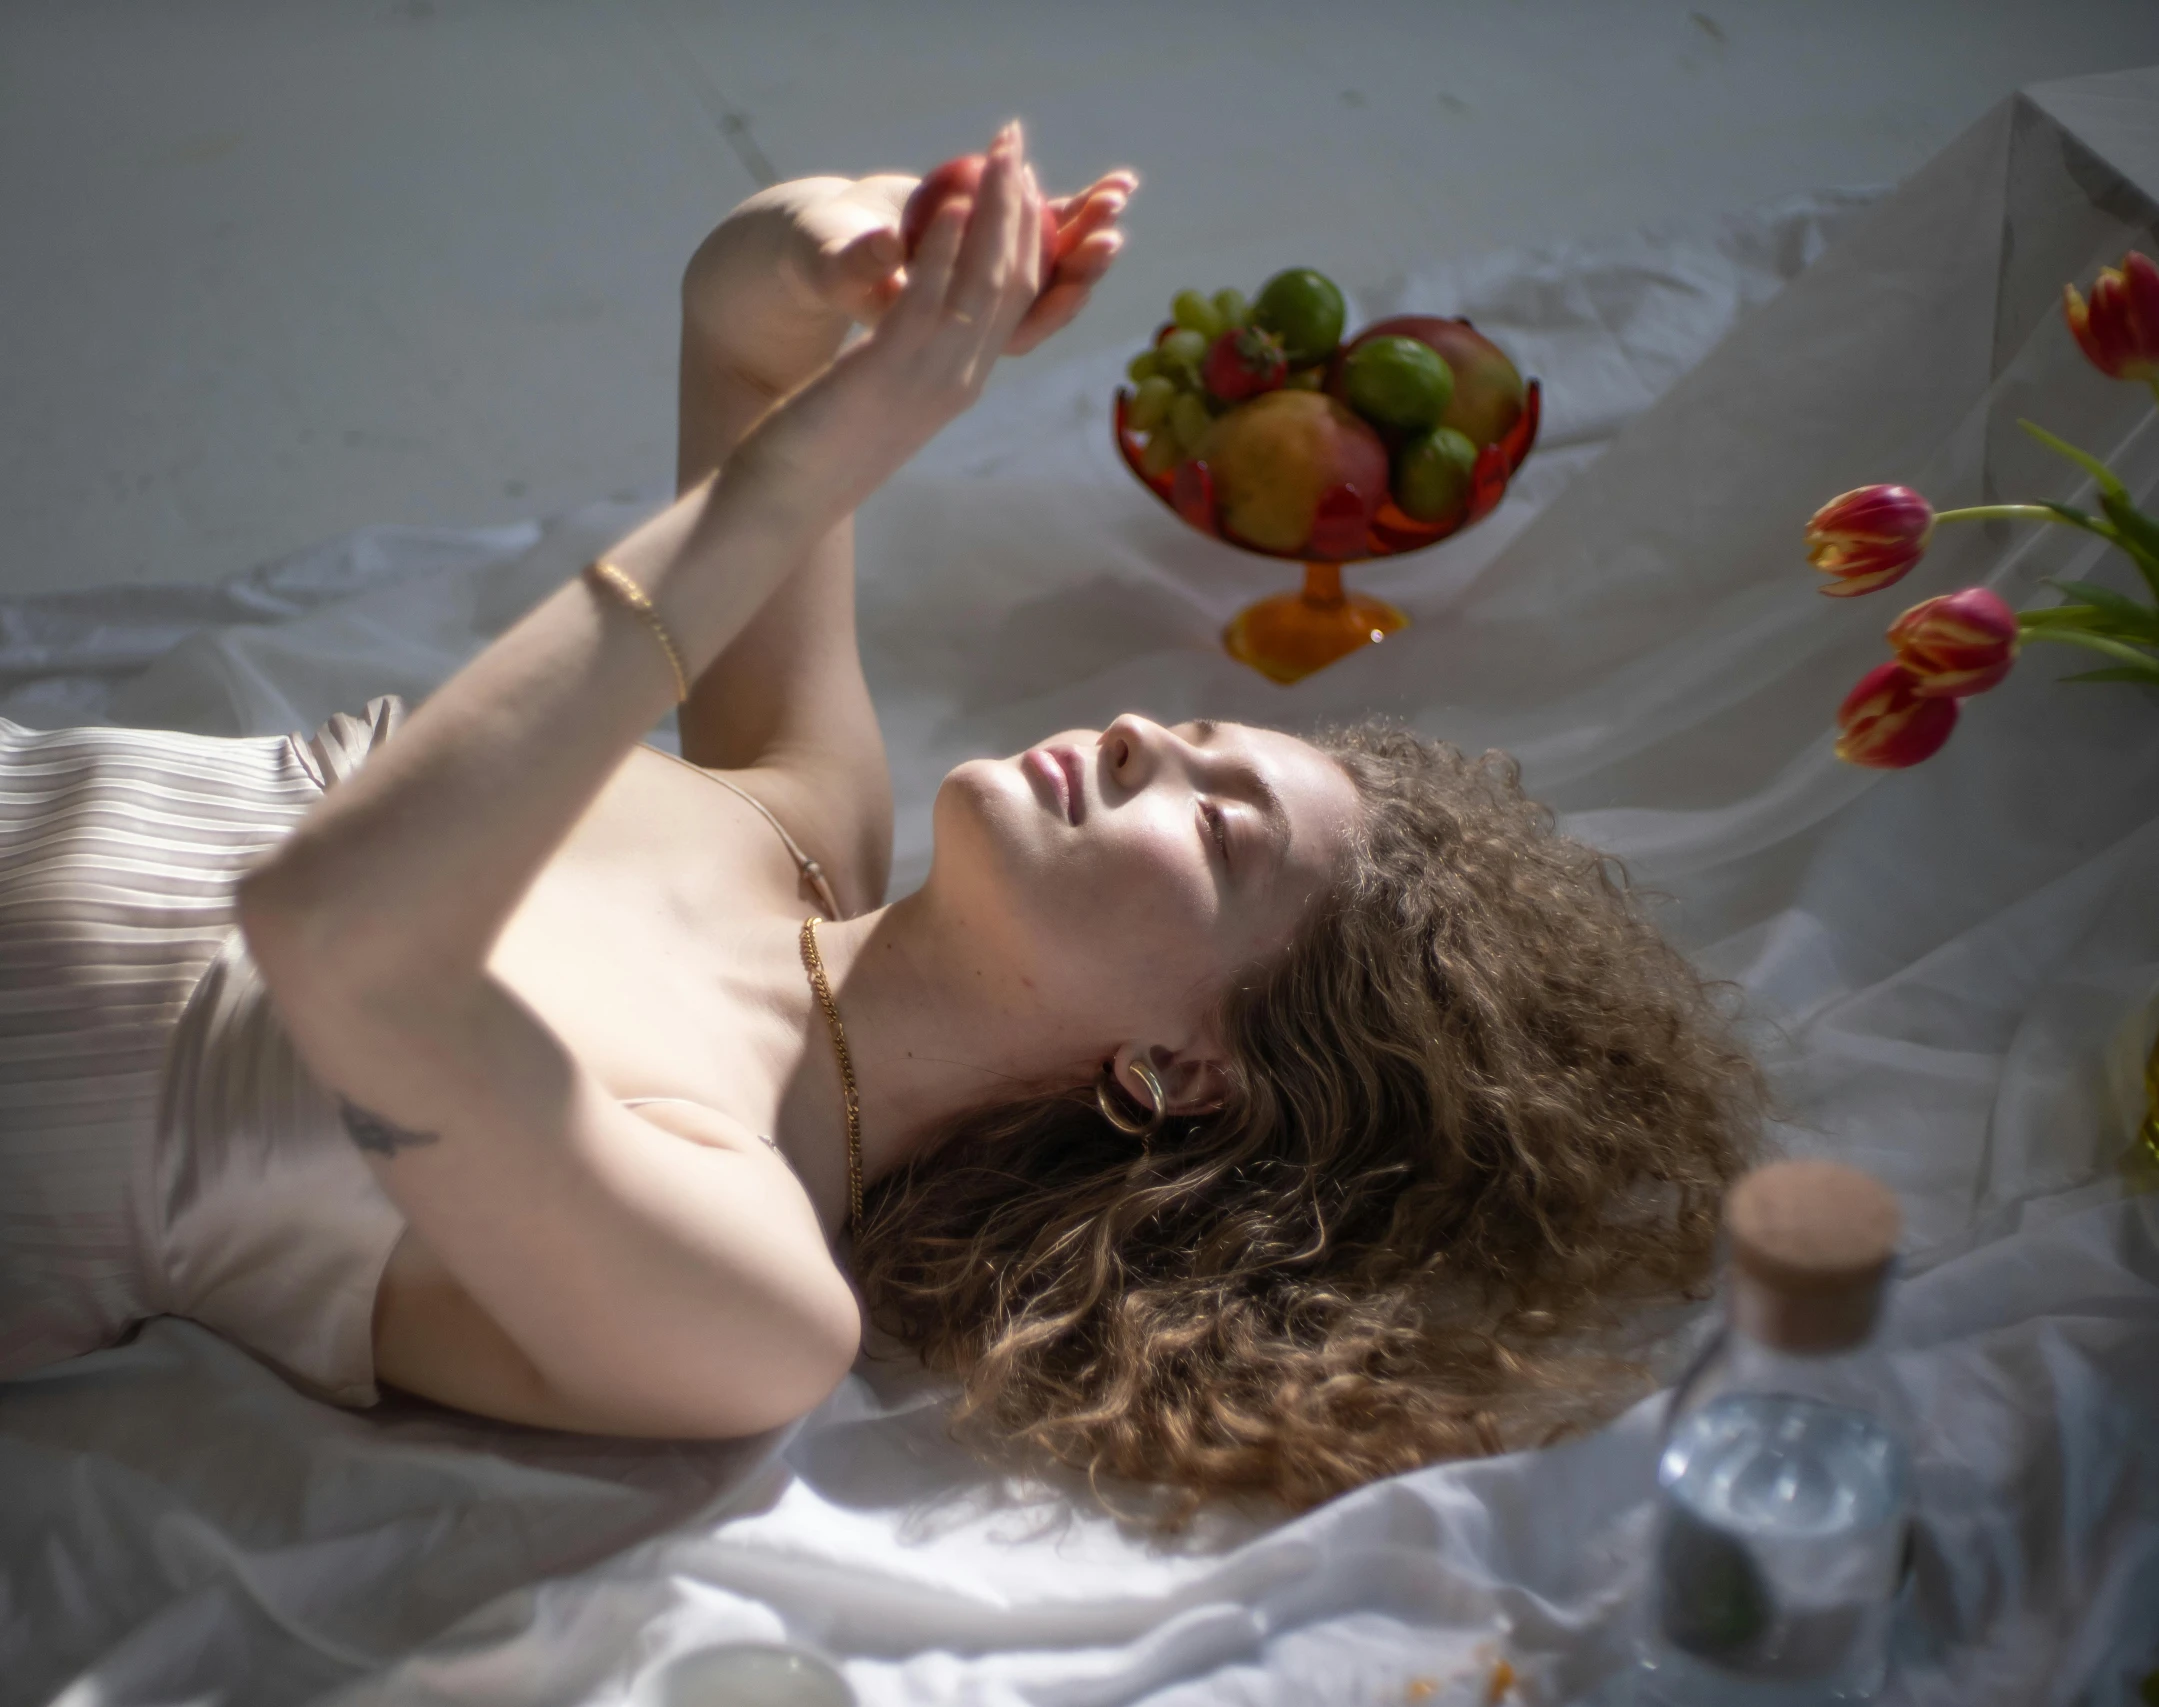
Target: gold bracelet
{"points": [[624, 591]]}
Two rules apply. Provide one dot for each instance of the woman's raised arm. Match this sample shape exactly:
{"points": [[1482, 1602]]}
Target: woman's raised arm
{"points": [[562, 1215], [767, 301]]}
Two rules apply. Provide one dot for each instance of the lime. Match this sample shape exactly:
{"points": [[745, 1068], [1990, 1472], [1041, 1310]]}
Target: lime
{"points": [[1398, 382], [1304, 310], [1431, 475]]}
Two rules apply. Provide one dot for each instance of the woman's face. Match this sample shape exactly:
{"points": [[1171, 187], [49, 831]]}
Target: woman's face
{"points": [[1142, 867]]}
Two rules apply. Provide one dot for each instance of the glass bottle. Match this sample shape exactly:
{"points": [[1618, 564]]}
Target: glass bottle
{"points": [[1783, 1481]]}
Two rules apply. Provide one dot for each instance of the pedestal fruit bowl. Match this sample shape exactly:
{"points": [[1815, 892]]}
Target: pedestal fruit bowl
{"points": [[1259, 426]]}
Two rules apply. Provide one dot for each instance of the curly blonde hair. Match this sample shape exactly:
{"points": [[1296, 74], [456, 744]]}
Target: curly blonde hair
{"points": [[1477, 1109]]}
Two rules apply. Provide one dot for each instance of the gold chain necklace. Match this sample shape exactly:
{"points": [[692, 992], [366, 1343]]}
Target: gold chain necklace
{"points": [[814, 964]]}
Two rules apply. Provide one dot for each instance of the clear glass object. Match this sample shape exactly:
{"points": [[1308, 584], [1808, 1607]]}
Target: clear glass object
{"points": [[1782, 1525], [748, 1674]]}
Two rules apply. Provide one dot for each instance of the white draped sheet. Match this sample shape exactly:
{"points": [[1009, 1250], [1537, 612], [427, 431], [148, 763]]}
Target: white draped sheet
{"points": [[1952, 972]]}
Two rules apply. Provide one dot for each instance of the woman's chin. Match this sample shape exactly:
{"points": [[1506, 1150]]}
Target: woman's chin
{"points": [[983, 812], [979, 789]]}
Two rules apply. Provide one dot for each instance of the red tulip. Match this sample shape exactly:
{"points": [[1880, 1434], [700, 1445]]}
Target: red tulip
{"points": [[1869, 538], [2119, 328], [1888, 724], [1959, 644]]}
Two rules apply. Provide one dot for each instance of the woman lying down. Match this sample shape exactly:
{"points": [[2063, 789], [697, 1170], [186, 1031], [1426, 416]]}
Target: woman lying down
{"points": [[1230, 1111]]}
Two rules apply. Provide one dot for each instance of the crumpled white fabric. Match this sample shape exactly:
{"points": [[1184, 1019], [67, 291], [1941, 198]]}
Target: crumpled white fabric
{"points": [[1952, 972]]}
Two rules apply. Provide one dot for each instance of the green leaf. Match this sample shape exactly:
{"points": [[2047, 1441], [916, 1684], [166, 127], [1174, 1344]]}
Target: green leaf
{"points": [[2057, 616], [2119, 650], [2067, 512], [2137, 534], [2149, 676], [2076, 518], [2124, 616], [2091, 465]]}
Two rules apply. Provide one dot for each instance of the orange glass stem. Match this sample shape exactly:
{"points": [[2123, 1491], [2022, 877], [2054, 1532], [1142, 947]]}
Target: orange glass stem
{"points": [[1287, 637]]}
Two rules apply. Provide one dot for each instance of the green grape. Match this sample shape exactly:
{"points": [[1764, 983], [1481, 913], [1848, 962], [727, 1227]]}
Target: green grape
{"points": [[1189, 419], [1231, 308], [1150, 404], [1143, 367], [1162, 453], [1186, 348], [1195, 313]]}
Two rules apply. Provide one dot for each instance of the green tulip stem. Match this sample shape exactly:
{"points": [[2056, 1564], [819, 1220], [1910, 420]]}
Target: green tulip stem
{"points": [[2033, 513], [1999, 513]]}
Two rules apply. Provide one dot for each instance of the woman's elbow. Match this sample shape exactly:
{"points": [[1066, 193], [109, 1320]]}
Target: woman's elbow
{"points": [[310, 944], [715, 1386], [276, 919], [803, 1368]]}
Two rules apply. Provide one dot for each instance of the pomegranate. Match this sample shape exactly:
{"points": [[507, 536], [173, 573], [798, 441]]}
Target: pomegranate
{"points": [[962, 177]]}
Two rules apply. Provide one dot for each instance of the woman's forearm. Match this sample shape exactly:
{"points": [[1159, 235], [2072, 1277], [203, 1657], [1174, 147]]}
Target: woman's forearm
{"points": [[403, 878]]}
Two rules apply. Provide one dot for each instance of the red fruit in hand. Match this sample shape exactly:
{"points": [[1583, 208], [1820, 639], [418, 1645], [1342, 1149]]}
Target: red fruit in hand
{"points": [[1244, 362], [962, 177]]}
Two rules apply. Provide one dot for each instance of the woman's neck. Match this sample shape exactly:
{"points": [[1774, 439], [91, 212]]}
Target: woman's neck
{"points": [[936, 1024]]}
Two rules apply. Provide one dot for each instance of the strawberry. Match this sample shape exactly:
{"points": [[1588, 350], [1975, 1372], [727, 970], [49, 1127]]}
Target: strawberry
{"points": [[1244, 362]]}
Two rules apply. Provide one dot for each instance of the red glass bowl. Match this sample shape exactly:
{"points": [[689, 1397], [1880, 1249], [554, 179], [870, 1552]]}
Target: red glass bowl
{"points": [[1289, 636]]}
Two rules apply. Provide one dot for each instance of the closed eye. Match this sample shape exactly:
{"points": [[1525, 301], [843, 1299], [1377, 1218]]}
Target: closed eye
{"points": [[1217, 826]]}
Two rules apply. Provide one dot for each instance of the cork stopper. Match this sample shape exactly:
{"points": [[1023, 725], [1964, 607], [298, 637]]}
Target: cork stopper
{"points": [[1811, 1244]]}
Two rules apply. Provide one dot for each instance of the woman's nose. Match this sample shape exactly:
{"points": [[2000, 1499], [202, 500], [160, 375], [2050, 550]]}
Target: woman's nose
{"points": [[1134, 746]]}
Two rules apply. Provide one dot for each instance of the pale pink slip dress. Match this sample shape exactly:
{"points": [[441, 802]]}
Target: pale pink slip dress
{"points": [[162, 1149]]}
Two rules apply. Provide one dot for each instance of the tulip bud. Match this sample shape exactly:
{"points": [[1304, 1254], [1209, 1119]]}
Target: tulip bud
{"points": [[1959, 644], [1887, 724], [2119, 328], [1869, 537]]}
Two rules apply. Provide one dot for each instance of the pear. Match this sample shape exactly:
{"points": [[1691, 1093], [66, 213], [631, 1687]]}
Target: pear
{"points": [[1275, 457]]}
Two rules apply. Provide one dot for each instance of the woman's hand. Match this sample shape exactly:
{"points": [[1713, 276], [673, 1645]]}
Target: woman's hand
{"points": [[1087, 243], [772, 292], [971, 294]]}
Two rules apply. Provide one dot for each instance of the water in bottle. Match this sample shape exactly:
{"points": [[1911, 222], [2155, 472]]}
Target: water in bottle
{"points": [[1783, 1483]]}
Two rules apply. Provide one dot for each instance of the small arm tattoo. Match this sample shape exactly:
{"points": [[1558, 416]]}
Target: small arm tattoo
{"points": [[372, 1132]]}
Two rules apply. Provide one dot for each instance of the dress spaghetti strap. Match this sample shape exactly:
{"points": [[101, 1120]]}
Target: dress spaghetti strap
{"points": [[812, 872]]}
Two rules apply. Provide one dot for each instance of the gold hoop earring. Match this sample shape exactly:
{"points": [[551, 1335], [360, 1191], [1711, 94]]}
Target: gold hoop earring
{"points": [[1105, 1097]]}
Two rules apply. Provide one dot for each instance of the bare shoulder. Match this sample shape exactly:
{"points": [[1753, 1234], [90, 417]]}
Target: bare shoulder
{"points": [[433, 1339]]}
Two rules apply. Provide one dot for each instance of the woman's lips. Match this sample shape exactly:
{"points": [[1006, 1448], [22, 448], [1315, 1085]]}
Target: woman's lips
{"points": [[1057, 770]]}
